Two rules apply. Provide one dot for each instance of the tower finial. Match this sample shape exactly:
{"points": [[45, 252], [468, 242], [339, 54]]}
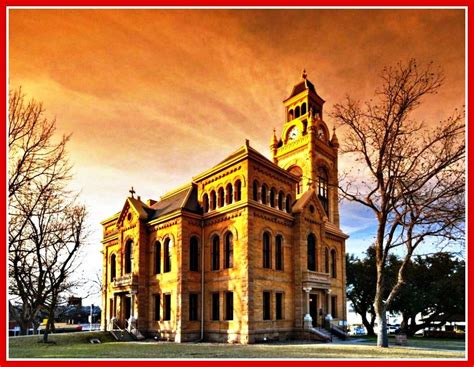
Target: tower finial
{"points": [[304, 75]]}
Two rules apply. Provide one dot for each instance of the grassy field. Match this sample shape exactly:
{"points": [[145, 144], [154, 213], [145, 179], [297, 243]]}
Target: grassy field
{"points": [[76, 345]]}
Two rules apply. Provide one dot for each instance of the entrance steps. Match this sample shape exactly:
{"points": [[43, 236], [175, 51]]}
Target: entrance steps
{"points": [[122, 335], [320, 334]]}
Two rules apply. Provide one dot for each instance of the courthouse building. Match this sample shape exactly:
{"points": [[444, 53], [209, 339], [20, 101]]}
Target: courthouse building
{"points": [[249, 250]]}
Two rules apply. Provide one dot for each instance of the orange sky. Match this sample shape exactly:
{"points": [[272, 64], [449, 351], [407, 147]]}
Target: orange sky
{"points": [[154, 97]]}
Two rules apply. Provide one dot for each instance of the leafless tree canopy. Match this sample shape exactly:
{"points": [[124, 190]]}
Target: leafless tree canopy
{"points": [[416, 174], [46, 224]]}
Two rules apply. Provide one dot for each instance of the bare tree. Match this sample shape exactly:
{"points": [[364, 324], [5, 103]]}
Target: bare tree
{"points": [[46, 225], [415, 175]]}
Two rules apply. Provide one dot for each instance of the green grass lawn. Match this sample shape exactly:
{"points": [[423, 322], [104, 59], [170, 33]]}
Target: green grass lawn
{"points": [[76, 345]]}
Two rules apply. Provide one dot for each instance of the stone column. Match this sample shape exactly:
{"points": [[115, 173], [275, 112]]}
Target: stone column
{"points": [[308, 320]]}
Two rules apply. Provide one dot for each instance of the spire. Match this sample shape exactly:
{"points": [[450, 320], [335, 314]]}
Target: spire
{"points": [[274, 146], [304, 75], [274, 141], [334, 141]]}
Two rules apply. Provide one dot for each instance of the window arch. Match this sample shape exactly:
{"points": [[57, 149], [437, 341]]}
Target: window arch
{"points": [[279, 252], [255, 190], [288, 203], [167, 256], [280, 200], [128, 256], [229, 194], [228, 250], [298, 172], [297, 111], [267, 251], [333, 264], [290, 115], [205, 203], [220, 197], [157, 257], [323, 188], [194, 254], [272, 197], [213, 200], [113, 267], [312, 264], [303, 108], [326, 260], [215, 253], [264, 194], [238, 190]]}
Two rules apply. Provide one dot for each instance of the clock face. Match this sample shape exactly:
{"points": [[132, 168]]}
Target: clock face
{"points": [[293, 134]]}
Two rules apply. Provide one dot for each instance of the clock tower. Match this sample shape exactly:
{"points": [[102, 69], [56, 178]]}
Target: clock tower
{"points": [[305, 147]]}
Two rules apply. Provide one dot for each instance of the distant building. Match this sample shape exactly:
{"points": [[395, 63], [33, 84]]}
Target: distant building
{"points": [[249, 249], [74, 301]]}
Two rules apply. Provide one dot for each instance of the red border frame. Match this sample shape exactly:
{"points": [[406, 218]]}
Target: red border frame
{"points": [[368, 3]]}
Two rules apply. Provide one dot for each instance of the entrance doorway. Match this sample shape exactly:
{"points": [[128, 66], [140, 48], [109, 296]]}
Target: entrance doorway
{"points": [[313, 308], [128, 307]]}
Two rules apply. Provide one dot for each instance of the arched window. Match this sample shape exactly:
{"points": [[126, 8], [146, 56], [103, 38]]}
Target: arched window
{"points": [[228, 250], [303, 108], [167, 256], [205, 203], [323, 188], [255, 190], [213, 200], [279, 252], [264, 194], [272, 197], [113, 267], [238, 190], [297, 111], [128, 256], [280, 200], [290, 115], [157, 257], [312, 252], [267, 251], [215, 252], [326, 260], [298, 172], [194, 254], [220, 197], [229, 193], [288, 203], [333, 264]]}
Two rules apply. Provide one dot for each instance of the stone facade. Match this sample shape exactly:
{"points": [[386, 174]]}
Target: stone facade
{"points": [[249, 250]]}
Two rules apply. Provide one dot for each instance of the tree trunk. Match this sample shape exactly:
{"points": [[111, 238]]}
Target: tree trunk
{"points": [[368, 326], [381, 312]]}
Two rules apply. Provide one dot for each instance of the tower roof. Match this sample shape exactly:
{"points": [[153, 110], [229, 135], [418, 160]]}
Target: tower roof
{"points": [[303, 86]]}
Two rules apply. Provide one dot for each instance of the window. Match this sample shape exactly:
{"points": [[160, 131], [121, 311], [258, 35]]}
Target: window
{"points": [[326, 260], [215, 306], [311, 252], [213, 200], [255, 191], [280, 200], [279, 306], [220, 200], [167, 315], [272, 197], [333, 264], [205, 203], [334, 306], [113, 267], [228, 251], [194, 254], [297, 111], [157, 307], [279, 253], [264, 194], [229, 305], [323, 188], [298, 172], [288, 203], [193, 307], [267, 260], [167, 256], [238, 191], [229, 194], [157, 257], [290, 115], [266, 306], [215, 252], [303, 108], [128, 257]]}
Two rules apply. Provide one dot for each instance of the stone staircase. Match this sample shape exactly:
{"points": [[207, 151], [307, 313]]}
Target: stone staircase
{"points": [[122, 335], [130, 333], [320, 334]]}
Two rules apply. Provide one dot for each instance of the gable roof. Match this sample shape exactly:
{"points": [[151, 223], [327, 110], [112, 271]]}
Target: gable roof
{"points": [[182, 198], [305, 199]]}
